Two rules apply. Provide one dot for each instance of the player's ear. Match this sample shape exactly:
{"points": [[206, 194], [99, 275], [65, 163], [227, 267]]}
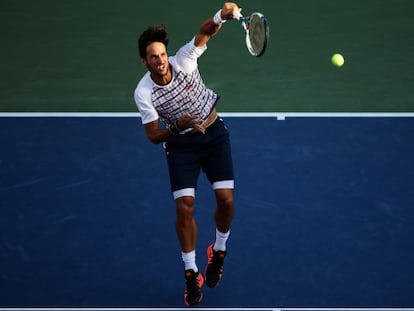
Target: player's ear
{"points": [[144, 61]]}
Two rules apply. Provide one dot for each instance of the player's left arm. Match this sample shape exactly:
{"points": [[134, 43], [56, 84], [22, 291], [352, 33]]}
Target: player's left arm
{"points": [[212, 25]]}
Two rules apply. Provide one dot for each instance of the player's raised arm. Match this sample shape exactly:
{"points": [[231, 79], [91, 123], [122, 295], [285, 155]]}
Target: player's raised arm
{"points": [[212, 25]]}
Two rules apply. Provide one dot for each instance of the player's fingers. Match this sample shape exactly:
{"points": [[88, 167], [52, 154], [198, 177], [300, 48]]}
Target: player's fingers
{"points": [[236, 14], [194, 120], [228, 9], [188, 120], [199, 128]]}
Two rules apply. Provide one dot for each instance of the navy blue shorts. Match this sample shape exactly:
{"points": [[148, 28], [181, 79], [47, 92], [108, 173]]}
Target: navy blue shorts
{"points": [[210, 152]]}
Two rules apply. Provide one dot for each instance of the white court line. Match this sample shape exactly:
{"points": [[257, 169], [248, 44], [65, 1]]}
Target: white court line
{"points": [[277, 115], [206, 309], [68, 114]]}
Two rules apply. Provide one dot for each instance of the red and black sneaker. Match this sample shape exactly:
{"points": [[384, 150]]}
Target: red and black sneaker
{"points": [[194, 281], [214, 269]]}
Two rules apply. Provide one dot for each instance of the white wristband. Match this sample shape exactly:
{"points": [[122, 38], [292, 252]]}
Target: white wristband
{"points": [[217, 18]]}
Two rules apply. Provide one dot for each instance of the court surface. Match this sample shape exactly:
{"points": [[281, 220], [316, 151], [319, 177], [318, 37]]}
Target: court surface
{"points": [[324, 202], [324, 215]]}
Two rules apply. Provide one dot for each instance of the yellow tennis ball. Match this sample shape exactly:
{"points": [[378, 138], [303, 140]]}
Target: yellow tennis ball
{"points": [[338, 60]]}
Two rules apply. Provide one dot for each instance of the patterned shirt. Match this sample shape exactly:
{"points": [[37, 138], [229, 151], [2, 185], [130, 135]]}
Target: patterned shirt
{"points": [[186, 93]]}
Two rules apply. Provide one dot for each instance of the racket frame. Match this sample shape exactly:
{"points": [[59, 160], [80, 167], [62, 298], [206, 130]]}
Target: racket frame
{"points": [[245, 22]]}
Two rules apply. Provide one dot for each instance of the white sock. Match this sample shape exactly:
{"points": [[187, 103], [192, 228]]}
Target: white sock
{"points": [[189, 260], [221, 239]]}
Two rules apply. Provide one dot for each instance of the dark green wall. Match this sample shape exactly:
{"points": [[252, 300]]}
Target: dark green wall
{"points": [[80, 55]]}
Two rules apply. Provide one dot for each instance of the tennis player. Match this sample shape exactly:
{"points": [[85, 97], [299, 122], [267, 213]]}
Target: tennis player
{"points": [[177, 108]]}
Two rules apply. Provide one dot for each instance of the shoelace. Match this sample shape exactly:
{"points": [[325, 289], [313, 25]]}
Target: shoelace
{"points": [[216, 260], [192, 283]]}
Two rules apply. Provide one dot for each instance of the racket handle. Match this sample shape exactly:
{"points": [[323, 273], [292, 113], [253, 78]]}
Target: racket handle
{"points": [[237, 15]]}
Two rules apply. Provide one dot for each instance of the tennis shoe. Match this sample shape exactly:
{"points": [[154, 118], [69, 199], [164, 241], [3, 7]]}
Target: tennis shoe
{"points": [[214, 268], [194, 281]]}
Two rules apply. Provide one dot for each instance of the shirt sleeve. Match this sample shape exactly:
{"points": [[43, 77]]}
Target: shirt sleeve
{"points": [[187, 55], [142, 96]]}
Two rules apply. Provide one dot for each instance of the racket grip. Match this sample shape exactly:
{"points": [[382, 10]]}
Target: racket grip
{"points": [[237, 15]]}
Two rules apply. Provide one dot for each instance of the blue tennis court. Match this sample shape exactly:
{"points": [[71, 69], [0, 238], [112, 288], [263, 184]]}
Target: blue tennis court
{"points": [[324, 215]]}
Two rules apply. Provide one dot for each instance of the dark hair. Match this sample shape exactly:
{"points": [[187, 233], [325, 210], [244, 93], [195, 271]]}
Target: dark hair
{"points": [[152, 34]]}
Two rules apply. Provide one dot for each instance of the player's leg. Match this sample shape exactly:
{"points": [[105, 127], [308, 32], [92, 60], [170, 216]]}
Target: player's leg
{"points": [[217, 251], [187, 231], [184, 170], [224, 212], [218, 166], [186, 227]]}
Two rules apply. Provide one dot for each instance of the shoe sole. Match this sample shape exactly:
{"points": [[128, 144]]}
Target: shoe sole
{"points": [[195, 303]]}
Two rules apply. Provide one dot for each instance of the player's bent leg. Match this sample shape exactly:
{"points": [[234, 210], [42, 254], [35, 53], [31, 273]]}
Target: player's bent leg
{"points": [[216, 252], [224, 212]]}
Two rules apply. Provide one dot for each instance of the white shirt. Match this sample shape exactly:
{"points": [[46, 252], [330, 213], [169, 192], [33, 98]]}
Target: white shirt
{"points": [[186, 92]]}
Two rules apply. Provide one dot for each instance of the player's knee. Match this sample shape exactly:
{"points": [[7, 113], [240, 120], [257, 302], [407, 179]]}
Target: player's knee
{"points": [[225, 201], [185, 207]]}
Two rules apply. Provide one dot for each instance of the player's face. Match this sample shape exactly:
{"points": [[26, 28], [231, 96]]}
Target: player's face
{"points": [[157, 60]]}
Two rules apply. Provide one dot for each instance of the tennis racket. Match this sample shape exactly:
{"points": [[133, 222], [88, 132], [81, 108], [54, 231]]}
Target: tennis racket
{"points": [[256, 29]]}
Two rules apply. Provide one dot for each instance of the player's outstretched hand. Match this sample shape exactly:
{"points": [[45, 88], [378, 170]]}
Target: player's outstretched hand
{"points": [[228, 9]]}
